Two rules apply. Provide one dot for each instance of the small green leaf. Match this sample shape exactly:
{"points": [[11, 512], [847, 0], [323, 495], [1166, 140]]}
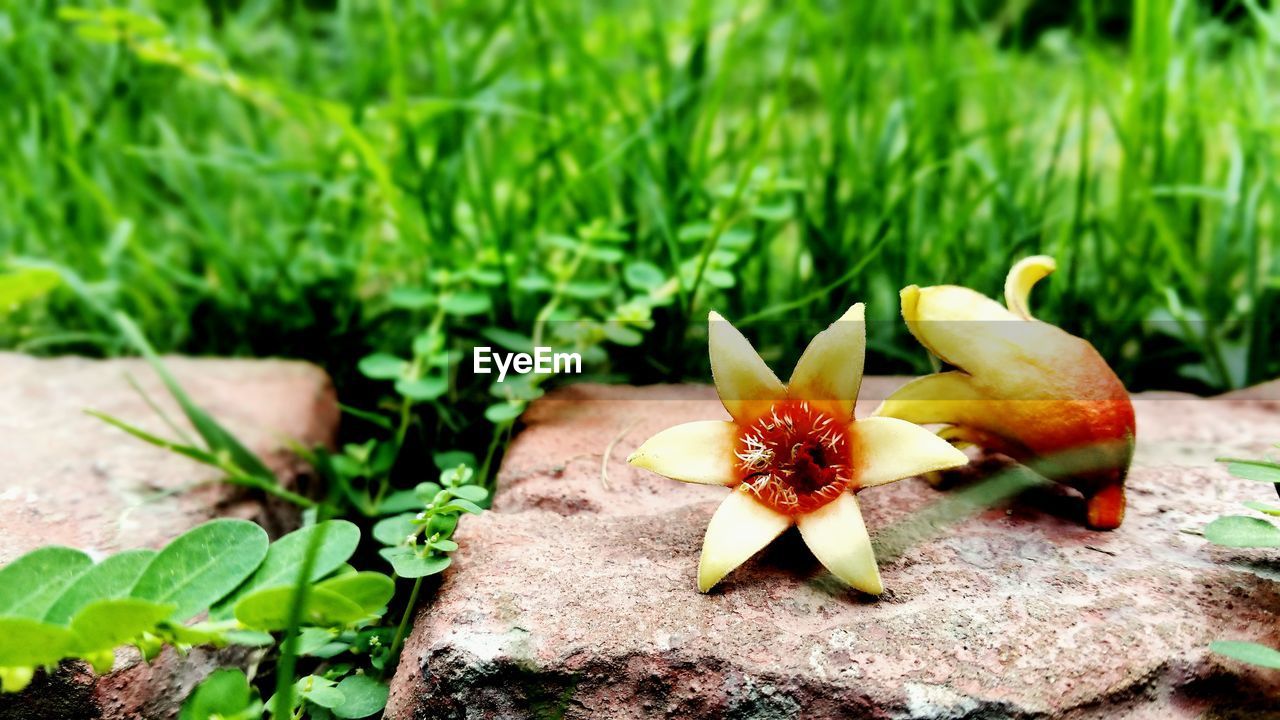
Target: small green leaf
{"points": [[394, 530], [1259, 470], [694, 232], [457, 475], [268, 609], [598, 230], [338, 541], [248, 638], [280, 567], [15, 679], [383, 457], [426, 491], [513, 341], [381, 366], [203, 565], [534, 283], [410, 298], [474, 493], [562, 242], [1242, 532], [319, 691], [312, 639], [26, 285], [112, 578], [362, 696], [463, 304], [225, 693], [605, 254], [519, 389], [204, 633], [427, 343], [462, 505], [501, 413], [485, 276], [442, 524], [423, 389], [643, 275], [1249, 652], [587, 289], [773, 212], [30, 585], [408, 564], [1263, 507], [736, 239], [398, 502], [622, 335], [370, 590], [722, 279], [447, 546], [104, 624], [27, 642]]}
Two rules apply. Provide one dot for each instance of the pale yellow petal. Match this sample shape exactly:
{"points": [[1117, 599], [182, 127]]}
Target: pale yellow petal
{"points": [[746, 385], [830, 370], [890, 449], [972, 331], [741, 527], [838, 538], [948, 397], [1022, 277], [695, 452]]}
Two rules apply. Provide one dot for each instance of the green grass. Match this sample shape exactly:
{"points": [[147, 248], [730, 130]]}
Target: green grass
{"points": [[265, 178]]}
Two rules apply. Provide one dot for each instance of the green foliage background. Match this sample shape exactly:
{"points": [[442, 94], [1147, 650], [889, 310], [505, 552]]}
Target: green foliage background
{"points": [[324, 180]]}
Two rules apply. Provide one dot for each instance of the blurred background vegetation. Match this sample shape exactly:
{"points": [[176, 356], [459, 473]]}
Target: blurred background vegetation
{"points": [[371, 185]]}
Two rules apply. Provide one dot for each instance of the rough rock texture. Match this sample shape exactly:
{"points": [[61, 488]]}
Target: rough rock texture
{"points": [[577, 598], [555, 463], [135, 691], [70, 479]]}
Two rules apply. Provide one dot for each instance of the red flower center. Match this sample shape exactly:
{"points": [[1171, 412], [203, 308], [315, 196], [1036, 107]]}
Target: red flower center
{"points": [[795, 458]]}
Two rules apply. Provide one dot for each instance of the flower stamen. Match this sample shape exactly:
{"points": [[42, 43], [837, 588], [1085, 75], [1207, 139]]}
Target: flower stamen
{"points": [[795, 458]]}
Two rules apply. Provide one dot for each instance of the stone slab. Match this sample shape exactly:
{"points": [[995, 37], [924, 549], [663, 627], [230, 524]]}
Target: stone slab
{"points": [[577, 597], [70, 479]]}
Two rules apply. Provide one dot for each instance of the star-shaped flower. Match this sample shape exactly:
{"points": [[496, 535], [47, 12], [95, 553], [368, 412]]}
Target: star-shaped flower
{"points": [[793, 454], [1021, 387]]}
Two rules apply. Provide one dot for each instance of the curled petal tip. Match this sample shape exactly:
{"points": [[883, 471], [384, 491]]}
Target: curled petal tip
{"points": [[1021, 278], [910, 297]]}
